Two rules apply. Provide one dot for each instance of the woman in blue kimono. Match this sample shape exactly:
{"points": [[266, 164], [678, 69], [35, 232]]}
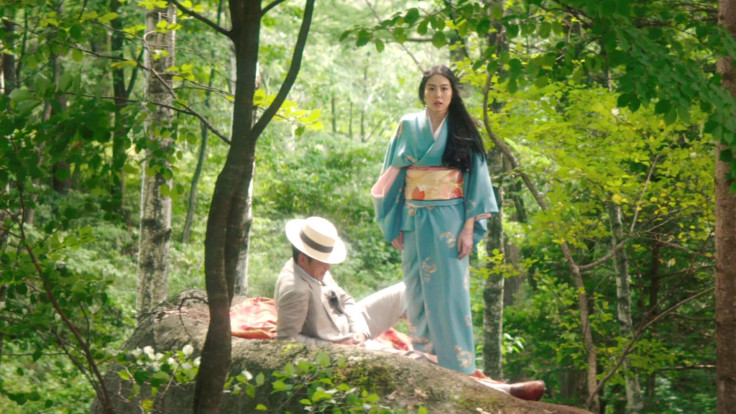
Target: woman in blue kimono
{"points": [[431, 202]]}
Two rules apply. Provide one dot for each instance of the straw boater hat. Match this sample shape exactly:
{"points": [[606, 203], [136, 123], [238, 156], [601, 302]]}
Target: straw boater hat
{"points": [[317, 238]]}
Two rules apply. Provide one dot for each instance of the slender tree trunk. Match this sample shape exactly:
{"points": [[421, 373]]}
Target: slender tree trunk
{"points": [[9, 82], [119, 156], [10, 79], [364, 107], [202, 155], [241, 280], [493, 291], [653, 297], [60, 185], [155, 226], [350, 120], [192, 203], [333, 110], [726, 244], [623, 296]]}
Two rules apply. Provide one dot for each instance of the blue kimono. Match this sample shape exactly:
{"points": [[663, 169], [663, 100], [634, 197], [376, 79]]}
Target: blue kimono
{"points": [[437, 282]]}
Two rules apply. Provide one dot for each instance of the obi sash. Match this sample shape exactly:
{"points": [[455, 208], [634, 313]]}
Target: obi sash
{"points": [[433, 183]]}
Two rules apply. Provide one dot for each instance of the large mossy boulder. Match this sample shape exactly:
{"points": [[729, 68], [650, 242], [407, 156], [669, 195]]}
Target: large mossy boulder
{"points": [[398, 382]]}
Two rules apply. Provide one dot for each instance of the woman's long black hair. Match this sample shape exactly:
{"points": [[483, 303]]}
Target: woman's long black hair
{"points": [[463, 137]]}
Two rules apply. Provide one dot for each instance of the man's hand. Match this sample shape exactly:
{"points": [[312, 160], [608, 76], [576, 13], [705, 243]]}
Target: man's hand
{"points": [[357, 339]]}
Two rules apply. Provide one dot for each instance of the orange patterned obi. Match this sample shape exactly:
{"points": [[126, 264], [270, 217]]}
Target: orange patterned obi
{"points": [[433, 183]]}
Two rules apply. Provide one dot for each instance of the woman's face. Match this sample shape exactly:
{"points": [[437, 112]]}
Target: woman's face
{"points": [[438, 94]]}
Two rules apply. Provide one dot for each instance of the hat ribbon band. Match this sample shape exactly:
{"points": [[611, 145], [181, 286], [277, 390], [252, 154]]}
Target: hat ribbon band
{"points": [[313, 244]]}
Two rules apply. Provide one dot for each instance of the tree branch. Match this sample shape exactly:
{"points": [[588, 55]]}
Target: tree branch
{"points": [[201, 18], [270, 6], [639, 333], [603, 259], [296, 62], [378, 18], [102, 392]]}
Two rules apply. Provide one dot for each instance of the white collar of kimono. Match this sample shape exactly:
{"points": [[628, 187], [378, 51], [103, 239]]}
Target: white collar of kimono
{"points": [[435, 132]]}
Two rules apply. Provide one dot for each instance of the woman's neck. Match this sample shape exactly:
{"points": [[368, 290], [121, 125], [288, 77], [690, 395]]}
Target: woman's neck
{"points": [[435, 118]]}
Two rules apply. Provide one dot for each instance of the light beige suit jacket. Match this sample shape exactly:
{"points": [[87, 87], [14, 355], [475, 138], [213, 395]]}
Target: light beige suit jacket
{"points": [[307, 314]]}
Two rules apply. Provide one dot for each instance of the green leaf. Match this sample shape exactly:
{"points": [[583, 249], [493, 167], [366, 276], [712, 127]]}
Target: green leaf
{"points": [[44, 87], [379, 45], [364, 37], [438, 22], [483, 27], [261, 407], [323, 359], [544, 30], [400, 35], [107, 17], [671, 116], [439, 39], [260, 379], [422, 27], [662, 106], [65, 81], [411, 16], [497, 12]]}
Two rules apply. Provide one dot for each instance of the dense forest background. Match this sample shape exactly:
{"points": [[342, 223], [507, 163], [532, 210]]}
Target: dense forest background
{"points": [[601, 120]]}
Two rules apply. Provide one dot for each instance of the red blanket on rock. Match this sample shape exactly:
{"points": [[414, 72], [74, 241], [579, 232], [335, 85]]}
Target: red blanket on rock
{"points": [[256, 318]]}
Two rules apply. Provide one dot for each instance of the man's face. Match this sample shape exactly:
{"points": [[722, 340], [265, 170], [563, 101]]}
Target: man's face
{"points": [[313, 267]]}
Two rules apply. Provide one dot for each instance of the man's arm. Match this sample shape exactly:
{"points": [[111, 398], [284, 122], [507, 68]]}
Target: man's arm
{"points": [[293, 306], [356, 320]]}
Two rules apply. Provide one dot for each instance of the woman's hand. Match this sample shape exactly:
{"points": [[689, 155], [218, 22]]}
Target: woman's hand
{"points": [[465, 239], [399, 241]]}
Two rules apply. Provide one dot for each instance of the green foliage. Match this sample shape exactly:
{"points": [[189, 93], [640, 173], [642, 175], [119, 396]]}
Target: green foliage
{"points": [[309, 386], [153, 373], [605, 103]]}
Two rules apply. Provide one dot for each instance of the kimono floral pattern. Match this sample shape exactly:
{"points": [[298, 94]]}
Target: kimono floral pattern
{"points": [[437, 281]]}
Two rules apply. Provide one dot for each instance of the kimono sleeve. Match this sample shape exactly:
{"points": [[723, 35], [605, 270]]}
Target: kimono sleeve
{"points": [[388, 192], [480, 200]]}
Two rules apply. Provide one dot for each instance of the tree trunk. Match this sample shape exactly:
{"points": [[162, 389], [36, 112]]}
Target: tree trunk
{"points": [[493, 291], [192, 203], [226, 229], [241, 280], [726, 244], [350, 120], [202, 156], [155, 226], [623, 296], [9, 77], [334, 113], [119, 156]]}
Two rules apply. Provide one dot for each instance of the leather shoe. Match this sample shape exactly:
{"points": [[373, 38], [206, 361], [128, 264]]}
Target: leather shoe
{"points": [[530, 390]]}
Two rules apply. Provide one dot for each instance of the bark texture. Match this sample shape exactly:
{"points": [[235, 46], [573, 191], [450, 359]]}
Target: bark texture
{"points": [[155, 218], [726, 244], [623, 297], [493, 291], [398, 381], [227, 230]]}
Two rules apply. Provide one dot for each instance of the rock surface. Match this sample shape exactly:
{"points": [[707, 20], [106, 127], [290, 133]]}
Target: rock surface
{"points": [[399, 382]]}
